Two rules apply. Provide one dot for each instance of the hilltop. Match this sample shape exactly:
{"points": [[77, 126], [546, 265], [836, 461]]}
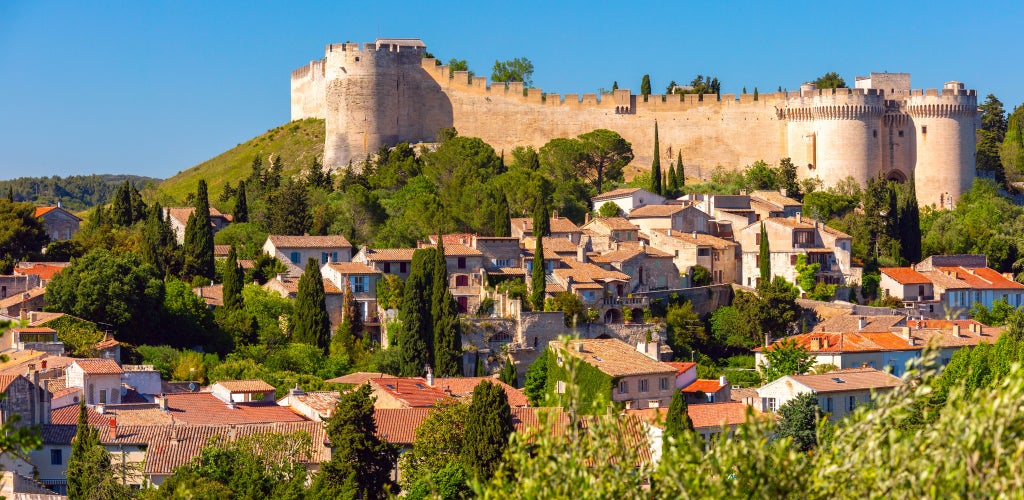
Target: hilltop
{"points": [[76, 193], [297, 142]]}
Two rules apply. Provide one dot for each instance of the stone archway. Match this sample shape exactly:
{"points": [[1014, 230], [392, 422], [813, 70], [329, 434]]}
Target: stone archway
{"points": [[613, 316], [896, 176], [638, 315]]}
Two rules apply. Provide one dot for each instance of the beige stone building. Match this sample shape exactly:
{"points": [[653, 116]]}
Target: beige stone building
{"points": [[641, 380], [839, 392], [675, 217], [60, 224], [295, 251], [688, 249], [790, 237], [628, 199]]}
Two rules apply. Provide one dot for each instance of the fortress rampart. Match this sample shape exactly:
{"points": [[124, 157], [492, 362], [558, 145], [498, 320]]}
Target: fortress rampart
{"points": [[386, 92]]}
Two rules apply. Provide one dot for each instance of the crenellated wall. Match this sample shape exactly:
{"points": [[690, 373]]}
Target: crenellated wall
{"points": [[384, 93]]}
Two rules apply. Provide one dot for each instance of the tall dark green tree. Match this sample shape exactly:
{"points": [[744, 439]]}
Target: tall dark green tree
{"points": [[416, 337], [798, 420], [311, 323], [508, 373], [1011, 153], [488, 427], [680, 172], [645, 86], [288, 209], [90, 474], [541, 210], [361, 463], [198, 246], [139, 209], [537, 379], [677, 421], [502, 219], [656, 187], [241, 212], [765, 257], [121, 206], [21, 233], [445, 314], [672, 185], [233, 281], [830, 80], [910, 222], [537, 281], [990, 138]]}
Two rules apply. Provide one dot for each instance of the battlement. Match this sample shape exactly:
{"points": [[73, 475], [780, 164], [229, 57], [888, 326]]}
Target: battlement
{"points": [[315, 69]]}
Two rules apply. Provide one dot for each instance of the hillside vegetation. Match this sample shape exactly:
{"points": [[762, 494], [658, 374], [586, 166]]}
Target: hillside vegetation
{"points": [[298, 143], [75, 192]]}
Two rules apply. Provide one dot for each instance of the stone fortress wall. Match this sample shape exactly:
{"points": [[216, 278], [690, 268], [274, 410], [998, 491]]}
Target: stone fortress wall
{"points": [[386, 92]]}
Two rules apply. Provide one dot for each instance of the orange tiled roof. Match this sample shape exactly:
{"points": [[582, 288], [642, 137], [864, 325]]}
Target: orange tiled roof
{"points": [[850, 379], [99, 366], [398, 425], [464, 386], [413, 391], [699, 239], [905, 275], [199, 408], [40, 211], [18, 298], [390, 254], [558, 225], [357, 378], [322, 402], [213, 295], [614, 223], [45, 317], [776, 198], [556, 244], [851, 323], [330, 241], [613, 357], [616, 193], [246, 386], [221, 250], [45, 271], [681, 366], [656, 211], [6, 380], [982, 278], [353, 268], [709, 416], [706, 386], [181, 214], [457, 250], [34, 329]]}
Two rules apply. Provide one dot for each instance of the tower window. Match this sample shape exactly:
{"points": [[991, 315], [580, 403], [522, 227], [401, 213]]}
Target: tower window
{"points": [[924, 129], [874, 133], [357, 58], [901, 133]]}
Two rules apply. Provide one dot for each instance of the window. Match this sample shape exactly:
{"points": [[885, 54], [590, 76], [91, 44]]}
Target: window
{"points": [[851, 404], [924, 129], [901, 133], [643, 385], [703, 252], [56, 457], [326, 257], [792, 260], [502, 262], [663, 383], [103, 396], [827, 405], [623, 387], [771, 404], [387, 267], [462, 262], [403, 267], [295, 256], [874, 133], [757, 239], [358, 283], [589, 295], [560, 387]]}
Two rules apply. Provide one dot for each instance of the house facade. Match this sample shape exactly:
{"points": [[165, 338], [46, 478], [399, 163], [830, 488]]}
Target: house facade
{"points": [[295, 251], [788, 239], [839, 392], [59, 223], [627, 199], [99, 379], [640, 379]]}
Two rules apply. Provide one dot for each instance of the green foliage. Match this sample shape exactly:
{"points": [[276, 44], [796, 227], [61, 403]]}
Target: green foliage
{"points": [[701, 276], [240, 214], [488, 425], [519, 69], [1012, 150], [982, 222], [645, 86], [389, 291], [198, 246], [594, 387], [677, 421], [609, 209], [656, 186], [990, 138], [75, 192], [232, 280], [996, 316], [685, 329], [764, 257], [438, 446], [79, 336], [416, 336], [537, 281], [798, 421], [90, 474], [21, 234], [312, 324], [570, 304], [830, 80], [271, 312], [287, 209], [508, 373], [188, 321], [361, 464], [447, 330], [536, 379], [785, 357]]}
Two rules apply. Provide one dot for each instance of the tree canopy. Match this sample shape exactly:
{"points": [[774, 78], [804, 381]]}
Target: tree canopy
{"points": [[830, 80], [519, 69]]}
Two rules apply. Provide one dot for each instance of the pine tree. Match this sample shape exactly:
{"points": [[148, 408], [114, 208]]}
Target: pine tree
{"points": [[764, 256], [241, 212], [615, 85], [680, 173], [361, 463], [508, 373], [537, 281], [416, 338], [656, 164], [312, 324], [677, 420], [121, 206], [487, 429], [502, 219], [198, 247], [233, 281], [138, 210], [445, 313]]}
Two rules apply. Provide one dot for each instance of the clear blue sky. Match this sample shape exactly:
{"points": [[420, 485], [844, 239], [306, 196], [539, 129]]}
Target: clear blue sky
{"points": [[151, 88]]}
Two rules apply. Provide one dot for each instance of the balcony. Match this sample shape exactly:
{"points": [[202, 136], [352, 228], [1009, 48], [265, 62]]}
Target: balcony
{"points": [[631, 302]]}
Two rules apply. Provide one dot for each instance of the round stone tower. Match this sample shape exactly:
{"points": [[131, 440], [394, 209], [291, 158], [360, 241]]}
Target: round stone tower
{"points": [[944, 127]]}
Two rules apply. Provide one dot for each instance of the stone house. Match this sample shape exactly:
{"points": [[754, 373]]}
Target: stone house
{"points": [[561, 227], [44, 270], [769, 204], [99, 379], [628, 199], [721, 257], [24, 302], [640, 380], [295, 251], [648, 268], [288, 287], [608, 233], [25, 398], [733, 208], [839, 392], [790, 237], [702, 391], [676, 217], [396, 261], [12, 284], [59, 223], [598, 288], [179, 219], [363, 282], [499, 253], [37, 338]]}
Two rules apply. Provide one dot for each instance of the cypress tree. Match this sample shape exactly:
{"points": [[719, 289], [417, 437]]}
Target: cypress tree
{"points": [[656, 165], [672, 188], [502, 219], [138, 209], [755, 93], [241, 212], [361, 463], [445, 313], [541, 216], [765, 258], [89, 463], [645, 86], [678, 419], [121, 206], [487, 428], [415, 340], [151, 249], [537, 282], [910, 218], [10, 193], [198, 247], [233, 277], [312, 325], [508, 373], [680, 173]]}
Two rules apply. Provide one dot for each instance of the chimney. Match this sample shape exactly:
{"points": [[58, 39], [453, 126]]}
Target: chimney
{"points": [[586, 219], [824, 342], [554, 214], [42, 364], [722, 381], [669, 232], [815, 343], [32, 315], [579, 347], [649, 349], [568, 283], [280, 277], [693, 235], [956, 330], [296, 391], [430, 376], [113, 429], [161, 401], [799, 217], [906, 332], [100, 409], [201, 293], [971, 327], [782, 191], [862, 322], [581, 254]]}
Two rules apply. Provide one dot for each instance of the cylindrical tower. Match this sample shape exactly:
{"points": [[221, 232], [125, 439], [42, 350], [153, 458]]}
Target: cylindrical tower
{"points": [[944, 129]]}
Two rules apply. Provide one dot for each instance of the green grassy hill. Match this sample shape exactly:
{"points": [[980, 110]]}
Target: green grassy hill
{"points": [[296, 142]]}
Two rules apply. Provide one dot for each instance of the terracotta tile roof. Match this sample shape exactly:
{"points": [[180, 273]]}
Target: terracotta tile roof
{"points": [[213, 295], [851, 323], [655, 211], [40, 211], [558, 225], [905, 275], [19, 298], [462, 387], [412, 391], [850, 342], [556, 244], [357, 378], [588, 273], [851, 379], [549, 254], [18, 361], [457, 250], [710, 416], [34, 329], [331, 241], [57, 385], [789, 222], [614, 223], [616, 193], [45, 271], [776, 198], [99, 366], [221, 250], [290, 284], [202, 408], [512, 271], [834, 232], [454, 239], [59, 434], [143, 414], [945, 281], [45, 317], [627, 252], [246, 386], [681, 366], [106, 344], [613, 357], [398, 425], [982, 278], [699, 239], [390, 254], [6, 380], [706, 386], [68, 415], [553, 288], [353, 268], [322, 402], [181, 214]]}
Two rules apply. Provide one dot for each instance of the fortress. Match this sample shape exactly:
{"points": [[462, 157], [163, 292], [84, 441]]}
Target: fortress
{"points": [[386, 92]]}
